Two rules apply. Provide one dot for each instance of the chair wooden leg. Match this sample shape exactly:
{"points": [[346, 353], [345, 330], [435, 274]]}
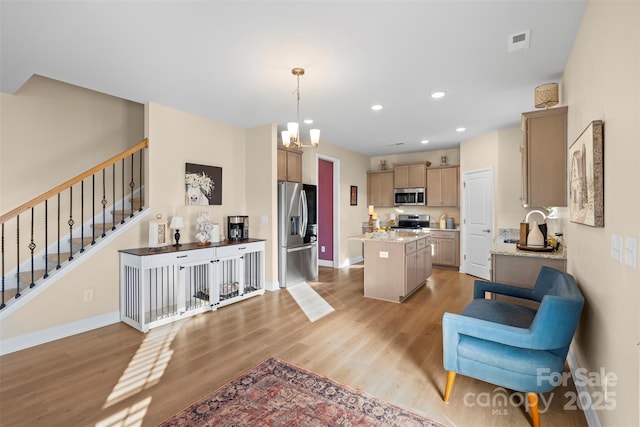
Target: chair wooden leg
{"points": [[533, 404], [451, 377]]}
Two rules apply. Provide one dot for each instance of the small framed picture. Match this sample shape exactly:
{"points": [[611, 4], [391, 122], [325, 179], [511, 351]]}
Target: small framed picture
{"points": [[354, 195], [158, 232]]}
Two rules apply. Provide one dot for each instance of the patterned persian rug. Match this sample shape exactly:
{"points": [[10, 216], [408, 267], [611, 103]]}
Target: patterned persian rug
{"points": [[275, 393]]}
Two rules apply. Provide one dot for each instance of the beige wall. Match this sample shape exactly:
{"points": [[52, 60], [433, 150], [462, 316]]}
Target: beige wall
{"points": [[602, 82], [499, 150], [39, 130], [262, 194]]}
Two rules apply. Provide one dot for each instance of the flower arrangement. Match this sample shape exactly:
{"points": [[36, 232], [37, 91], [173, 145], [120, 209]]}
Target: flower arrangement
{"points": [[201, 181]]}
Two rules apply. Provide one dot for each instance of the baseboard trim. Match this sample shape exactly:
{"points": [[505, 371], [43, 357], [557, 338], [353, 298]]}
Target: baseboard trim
{"points": [[11, 345], [589, 413]]}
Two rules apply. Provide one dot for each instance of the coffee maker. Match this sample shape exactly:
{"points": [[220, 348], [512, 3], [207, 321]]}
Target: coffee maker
{"points": [[237, 227]]}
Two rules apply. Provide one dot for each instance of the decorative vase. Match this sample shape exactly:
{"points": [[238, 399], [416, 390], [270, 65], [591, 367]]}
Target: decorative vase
{"points": [[535, 237]]}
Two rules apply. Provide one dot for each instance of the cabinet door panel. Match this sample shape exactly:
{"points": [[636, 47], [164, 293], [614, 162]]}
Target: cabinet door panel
{"points": [[418, 175], [294, 166], [401, 176], [434, 187], [544, 157], [449, 192]]}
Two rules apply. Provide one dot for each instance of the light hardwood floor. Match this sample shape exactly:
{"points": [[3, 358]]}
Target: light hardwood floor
{"points": [[117, 376]]}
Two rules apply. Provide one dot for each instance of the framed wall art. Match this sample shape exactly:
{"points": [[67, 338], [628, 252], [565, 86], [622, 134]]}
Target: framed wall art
{"points": [[586, 176], [354, 196], [203, 184]]}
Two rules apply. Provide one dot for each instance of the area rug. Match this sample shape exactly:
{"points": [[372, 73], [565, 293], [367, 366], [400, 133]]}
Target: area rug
{"points": [[275, 393], [310, 302]]}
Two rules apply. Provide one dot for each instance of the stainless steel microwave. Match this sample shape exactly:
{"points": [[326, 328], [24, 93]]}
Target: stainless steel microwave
{"points": [[409, 197]]}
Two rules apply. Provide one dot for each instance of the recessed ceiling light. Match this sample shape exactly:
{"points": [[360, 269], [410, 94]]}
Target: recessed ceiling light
{"points": [[308, 121], [424, 141], [376, 107], [437, 95], [460, 129]]}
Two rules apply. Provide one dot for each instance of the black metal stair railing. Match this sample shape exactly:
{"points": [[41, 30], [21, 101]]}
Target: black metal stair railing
{"points": [[22, 266]]}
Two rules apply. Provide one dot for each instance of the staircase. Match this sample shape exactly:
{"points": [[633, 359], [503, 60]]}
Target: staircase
{"points": [[89, 209]]}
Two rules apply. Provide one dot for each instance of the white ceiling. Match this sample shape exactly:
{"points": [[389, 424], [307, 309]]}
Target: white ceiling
{"points": [[231, 61]]}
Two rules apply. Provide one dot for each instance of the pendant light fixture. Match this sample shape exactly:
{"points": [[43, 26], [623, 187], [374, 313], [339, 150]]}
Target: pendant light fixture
{"points": [[292, 134]]}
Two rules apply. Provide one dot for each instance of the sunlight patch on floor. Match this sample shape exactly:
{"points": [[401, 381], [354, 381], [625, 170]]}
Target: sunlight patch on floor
{"points": [[313, 305], [129, 417], [148, 364]]}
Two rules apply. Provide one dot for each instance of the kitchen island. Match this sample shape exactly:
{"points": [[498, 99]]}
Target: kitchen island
{"points": [[396, 263]]}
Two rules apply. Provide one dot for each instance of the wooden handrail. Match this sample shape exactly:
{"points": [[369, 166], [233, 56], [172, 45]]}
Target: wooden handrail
{"points": [[34, 202]]}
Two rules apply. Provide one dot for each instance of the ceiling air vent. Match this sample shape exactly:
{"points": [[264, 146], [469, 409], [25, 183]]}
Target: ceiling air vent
{"points": [[519, 41]]}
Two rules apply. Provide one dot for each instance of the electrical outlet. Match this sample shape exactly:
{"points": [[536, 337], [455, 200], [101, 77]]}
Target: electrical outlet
{"points": [[265, 219], [384, 254], [321, 248], [631, 252], [88, 295]]}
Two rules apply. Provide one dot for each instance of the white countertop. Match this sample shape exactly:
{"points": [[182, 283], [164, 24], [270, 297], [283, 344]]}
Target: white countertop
{"points": [[500, 248], [392, 236]]}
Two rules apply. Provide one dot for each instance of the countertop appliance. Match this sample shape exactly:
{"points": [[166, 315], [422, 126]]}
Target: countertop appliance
{"points": [[408, 221], [409, 197], [298, 260], [237, 227]]}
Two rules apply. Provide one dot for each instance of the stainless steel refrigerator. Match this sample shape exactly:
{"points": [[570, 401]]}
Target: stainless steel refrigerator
{"points": [[297, 261]]}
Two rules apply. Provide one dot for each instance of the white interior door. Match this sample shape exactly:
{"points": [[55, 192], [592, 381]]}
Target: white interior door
{"points": [[478, 222]]}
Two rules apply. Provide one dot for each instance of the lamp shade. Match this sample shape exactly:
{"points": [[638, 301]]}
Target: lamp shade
{"points": [[546, 95], [177, 223], [286, 140], [315, 136]]}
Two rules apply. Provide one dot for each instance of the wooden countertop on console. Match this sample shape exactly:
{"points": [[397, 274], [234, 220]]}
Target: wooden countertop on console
{"points": [[186, 247]]}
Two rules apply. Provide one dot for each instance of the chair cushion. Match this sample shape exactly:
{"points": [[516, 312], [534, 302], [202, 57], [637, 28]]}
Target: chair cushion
{"points": [[506, 357], [500, 312]]}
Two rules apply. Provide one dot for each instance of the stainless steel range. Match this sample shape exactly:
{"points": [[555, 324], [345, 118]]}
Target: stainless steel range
{"points": [[407, 221]]}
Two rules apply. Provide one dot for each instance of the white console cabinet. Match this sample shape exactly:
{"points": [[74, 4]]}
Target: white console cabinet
{"points": [[159, 286]]}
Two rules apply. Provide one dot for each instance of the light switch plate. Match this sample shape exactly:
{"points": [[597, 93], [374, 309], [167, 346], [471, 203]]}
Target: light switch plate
{"points": [[616, 247], [384, 254], [631, 252]]}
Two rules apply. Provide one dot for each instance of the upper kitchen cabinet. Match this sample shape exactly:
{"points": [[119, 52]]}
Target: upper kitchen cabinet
{"points": [[410, 176], [544, 158], [380, 189], [289, 165], [442, 186]]}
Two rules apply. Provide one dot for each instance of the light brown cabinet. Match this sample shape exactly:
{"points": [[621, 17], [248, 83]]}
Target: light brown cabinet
{"points": [[289, 165], [442, 186], [410, 176], [446, 248], [544, 159], [380, 189], [521, 270]]}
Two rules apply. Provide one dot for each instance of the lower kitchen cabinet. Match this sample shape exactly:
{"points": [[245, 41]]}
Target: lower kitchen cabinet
{"points": [[522, 270], [159, 286], [446, 248]]}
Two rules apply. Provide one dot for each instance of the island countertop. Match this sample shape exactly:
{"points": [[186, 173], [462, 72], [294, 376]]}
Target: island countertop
{"points": [[392, 236]]}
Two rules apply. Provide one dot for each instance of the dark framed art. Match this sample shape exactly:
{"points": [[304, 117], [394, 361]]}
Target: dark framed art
{"points": [[203, 184], [586, 186], [354, 195]]}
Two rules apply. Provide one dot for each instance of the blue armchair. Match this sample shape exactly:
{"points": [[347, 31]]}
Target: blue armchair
{"points": [[510, 345]]}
